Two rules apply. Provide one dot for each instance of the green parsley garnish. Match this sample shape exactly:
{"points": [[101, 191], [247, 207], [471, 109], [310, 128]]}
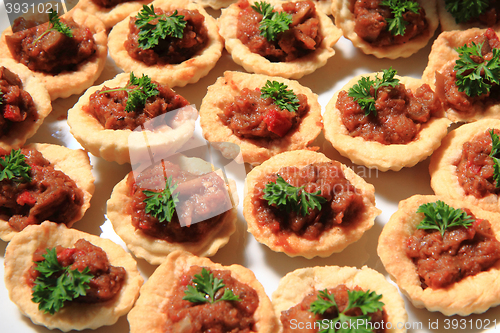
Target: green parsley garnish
{"points": [[150, 34], [284, 98], [57, 284], [138, 89], [475, 78], [55, 24], [495, 155], [290, 198], [366, 301], [1, 97], [162, 204], [361, 92], [397, 25], [206, 286], [465, 10], [15, 167], [439, 216], [272, 23]]}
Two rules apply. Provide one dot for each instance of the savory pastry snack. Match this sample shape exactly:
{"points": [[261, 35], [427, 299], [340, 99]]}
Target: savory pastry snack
{"points": [[303, 300], [287, 39], [263, 115], [43, 182], [24, 104], [97, 281], [110, 12], [145, 44], [393, 30], [443, 254], [455, 58], [185, 294], [179, 204], [111, 120], [456, 15], [304, 204], [67, 53], [376, 120]]}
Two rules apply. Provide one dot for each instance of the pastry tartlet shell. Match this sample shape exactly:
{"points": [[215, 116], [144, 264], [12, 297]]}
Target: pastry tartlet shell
{"points": [[112, 15]]}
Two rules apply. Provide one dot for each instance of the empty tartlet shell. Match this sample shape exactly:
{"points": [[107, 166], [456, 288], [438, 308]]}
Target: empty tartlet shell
{"points": [[302, 282], [373, 154], [331, 241], [119, 145], [74, 316], [75, 164], [112, 15], [156, 250], [473, 294], [255, 63], [20, 132], [447, 21], [255, 151], [175, 75], [443, 166], [69, 83], [344, 19], [149, 313]]}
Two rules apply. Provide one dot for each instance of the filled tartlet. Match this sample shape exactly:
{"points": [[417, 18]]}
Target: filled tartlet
{"points": [[476, 14], [110, 12]]}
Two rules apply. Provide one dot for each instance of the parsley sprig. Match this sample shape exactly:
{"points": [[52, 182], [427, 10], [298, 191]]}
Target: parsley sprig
{"points": [[397, 25], [138, 89], [57, 284], [162, 204], [1, 97], [290, 198], [361, 92], [440, 216], [272, 23], [150, 34], [283, 97], [495, 155], [206, 286], [465, 10], [15, 167], [366, 301], [55, 24]]}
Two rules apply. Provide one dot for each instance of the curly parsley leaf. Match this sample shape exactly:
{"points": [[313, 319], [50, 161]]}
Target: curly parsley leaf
{"points": [[465, 10], [476, 78], [495, 155], [150, 34], [361, 91], [15, 167], [283, 97], [162, 204], [272, 23], [1, 97], [206, 286], [55, 24], [440, 216], [57, 284], [397, 25], [290, 198]]}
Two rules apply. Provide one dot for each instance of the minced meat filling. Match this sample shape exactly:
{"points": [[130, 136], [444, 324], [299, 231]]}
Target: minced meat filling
{"points": [[109, 107], [170, 50], [303, 37], [107, 280], [109, 3], [51, 195], [371, 23], [203, 200], [399, 117], [16, 104], [300, 313], [54, 52], [475, 168], [462, 252], [253, 117], [223, 316]]}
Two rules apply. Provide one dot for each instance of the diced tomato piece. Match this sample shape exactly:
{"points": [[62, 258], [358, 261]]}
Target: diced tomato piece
{"points": [[473, 167], [26, 198], [276, 123], [12, 113]]}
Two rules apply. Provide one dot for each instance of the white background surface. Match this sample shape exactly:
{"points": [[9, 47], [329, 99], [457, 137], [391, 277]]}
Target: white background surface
{"points": [[268, 266]]}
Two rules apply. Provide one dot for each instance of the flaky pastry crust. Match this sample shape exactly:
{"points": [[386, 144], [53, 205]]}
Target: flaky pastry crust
{"points": [[447, 21], [255, 63], [20, 132], [175, 75], [113, 15], [255, 151], [122, 145], [296, 285], [473, 294], [73, 316], [68, 83], [76, 165], [149, 313], [215, 4], [373, 154], [332, 240], [155, 250]]}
